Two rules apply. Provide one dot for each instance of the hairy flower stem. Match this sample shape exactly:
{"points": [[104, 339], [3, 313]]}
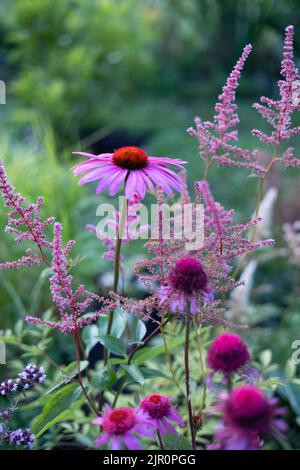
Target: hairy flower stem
{"points": [[116, 270], [187, 376]]}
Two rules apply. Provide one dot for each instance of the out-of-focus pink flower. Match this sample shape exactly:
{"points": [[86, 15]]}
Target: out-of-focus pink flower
{"points": [[248, 415], [187, 283], [160, 411], [130, 166], [122, 427], [227, 354]]}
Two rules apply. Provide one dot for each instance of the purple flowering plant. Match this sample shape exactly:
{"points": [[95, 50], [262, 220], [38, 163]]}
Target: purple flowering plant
{"points": [[115, 343]]}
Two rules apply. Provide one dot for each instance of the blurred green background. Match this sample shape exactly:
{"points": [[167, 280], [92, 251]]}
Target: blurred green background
{"points": [[99, 74]]}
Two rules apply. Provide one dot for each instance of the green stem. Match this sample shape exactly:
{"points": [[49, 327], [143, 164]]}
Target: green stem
{"points": [[229, 382], [161, 445], [77, 349], [116, 270], [187, 376], [202, 367]]}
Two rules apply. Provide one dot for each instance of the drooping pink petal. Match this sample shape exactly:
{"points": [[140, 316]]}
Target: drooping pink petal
{"points": [[108, 179], [117, 183], [131, 442], [115, 443], [135, 183], [102, 440]]}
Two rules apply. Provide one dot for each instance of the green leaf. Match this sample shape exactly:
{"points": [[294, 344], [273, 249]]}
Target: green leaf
{"points": [[137, 329], [266, 357], [103, 380], [118, 325], [114, 345], [60, 406], [90, 337], [176, 442], [134, 372], [67, 374]]}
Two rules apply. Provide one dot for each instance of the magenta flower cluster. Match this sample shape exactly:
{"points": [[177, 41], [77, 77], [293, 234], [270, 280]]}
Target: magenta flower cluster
{"points": [[246, 416], [227, 354]]}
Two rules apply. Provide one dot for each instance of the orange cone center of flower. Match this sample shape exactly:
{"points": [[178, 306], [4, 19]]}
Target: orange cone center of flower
{"points": [[155, 399], [131, 158]]}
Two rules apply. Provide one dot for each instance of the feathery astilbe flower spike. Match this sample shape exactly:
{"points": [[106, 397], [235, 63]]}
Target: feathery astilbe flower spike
{"points": [[25, 222], [71, 304], [218, 138], [278, 113], [210, 267]]}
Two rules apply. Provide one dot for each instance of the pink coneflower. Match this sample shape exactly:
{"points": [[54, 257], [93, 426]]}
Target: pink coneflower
{"points": [[121, 425], [187, 284], [227, 354], [247, 415], [159, 408], [131, 166]]}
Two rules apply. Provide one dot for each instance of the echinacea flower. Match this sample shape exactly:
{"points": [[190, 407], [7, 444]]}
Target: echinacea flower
{"points": [[227, 354], [160, 411], [247, 415], [122, 427], [130, 166], [187, 284]]}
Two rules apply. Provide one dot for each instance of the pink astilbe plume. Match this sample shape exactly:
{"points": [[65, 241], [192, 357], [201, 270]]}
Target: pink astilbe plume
{"points": [[208, 268], [278, 113], [71, 304], [25, 222], [218, 138]]}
